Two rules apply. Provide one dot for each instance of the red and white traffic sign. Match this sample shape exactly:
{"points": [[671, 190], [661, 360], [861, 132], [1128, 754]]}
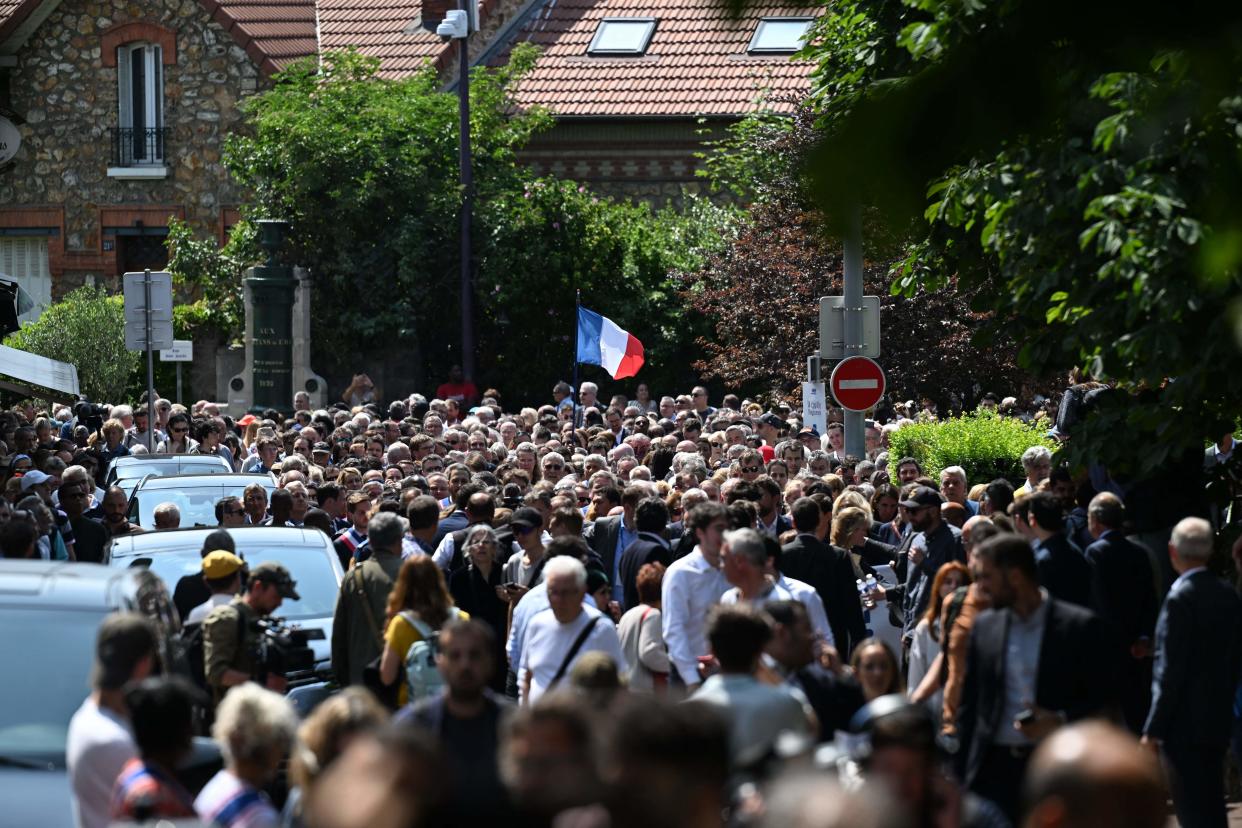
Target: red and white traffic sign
{"points": [[857, 383]]}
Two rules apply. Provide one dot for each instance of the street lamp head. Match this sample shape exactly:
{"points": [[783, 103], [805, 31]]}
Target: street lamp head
{"points": [[272, 237]]}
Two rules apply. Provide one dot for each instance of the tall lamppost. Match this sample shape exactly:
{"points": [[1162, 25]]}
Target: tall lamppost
{"points": [[457, 24]]}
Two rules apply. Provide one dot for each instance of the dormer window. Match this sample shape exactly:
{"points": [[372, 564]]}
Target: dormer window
{"points": [[779, 35], [622, 36], [140, 134]]}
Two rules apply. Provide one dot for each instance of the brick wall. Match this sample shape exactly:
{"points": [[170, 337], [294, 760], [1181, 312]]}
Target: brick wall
{"points": [[66, 88]]}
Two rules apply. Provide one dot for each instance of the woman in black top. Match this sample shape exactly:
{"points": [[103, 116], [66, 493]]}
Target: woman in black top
{"points": [[476, 589]]}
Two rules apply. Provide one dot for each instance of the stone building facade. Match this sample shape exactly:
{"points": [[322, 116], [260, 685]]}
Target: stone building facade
{"points": [[94, 195]]}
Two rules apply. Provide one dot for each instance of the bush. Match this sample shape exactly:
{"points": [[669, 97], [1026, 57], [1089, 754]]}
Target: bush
{"points": [[986, 445], [85, 329]]}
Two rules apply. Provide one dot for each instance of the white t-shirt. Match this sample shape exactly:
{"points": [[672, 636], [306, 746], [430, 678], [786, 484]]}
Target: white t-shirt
{"points": [[548, 640], [199, 614], [98, 746]]}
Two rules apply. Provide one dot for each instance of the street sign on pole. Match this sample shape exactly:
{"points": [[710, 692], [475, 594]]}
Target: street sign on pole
{"points": [[136, 316], [148, 327], [182, 350], [832, 313], [814, 407], [857, 383]]}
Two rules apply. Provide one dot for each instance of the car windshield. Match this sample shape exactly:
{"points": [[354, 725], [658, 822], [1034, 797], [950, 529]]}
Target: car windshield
{"points": [[310, 567], [55, 648], [164, 468], [196, 503]]}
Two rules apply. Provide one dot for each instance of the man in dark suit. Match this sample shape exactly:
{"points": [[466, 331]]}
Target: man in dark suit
{"points": [[1123, 594], [771, 521], [1194, 677], [608, 537], [1063, 569], [650, 518], [828, 569], [1034, 662]]}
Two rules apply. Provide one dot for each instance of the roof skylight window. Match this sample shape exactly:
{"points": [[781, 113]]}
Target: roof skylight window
{"points": [[623, 36], [779, 35]]}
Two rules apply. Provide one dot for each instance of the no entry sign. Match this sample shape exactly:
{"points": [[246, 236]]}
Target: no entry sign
{"points": [[857, 383]]}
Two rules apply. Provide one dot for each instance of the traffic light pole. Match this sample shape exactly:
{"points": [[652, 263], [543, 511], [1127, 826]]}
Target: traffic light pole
{"points": [[852, 294]]}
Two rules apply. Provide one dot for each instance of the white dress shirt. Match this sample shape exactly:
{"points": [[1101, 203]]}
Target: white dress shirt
{"points": [[691, 588]]}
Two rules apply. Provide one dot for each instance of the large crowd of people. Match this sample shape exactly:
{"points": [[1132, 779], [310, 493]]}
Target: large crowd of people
{"points": [[647, 611]]}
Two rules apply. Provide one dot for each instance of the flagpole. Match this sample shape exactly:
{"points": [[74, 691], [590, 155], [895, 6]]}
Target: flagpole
{"points": [[573, 394]]}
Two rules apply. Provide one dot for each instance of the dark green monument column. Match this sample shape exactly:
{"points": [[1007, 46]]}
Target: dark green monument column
{"points": [[271, 345]]}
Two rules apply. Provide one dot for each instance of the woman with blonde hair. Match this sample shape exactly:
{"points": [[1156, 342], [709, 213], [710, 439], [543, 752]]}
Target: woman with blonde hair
{"points": [[418, 605], [849, 532], [324, 736]]}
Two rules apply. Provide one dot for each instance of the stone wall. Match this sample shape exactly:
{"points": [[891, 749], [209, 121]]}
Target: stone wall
{"points": [[67, 94]]}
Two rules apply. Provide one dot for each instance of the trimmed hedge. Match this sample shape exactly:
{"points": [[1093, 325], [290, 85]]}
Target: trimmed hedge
{"points": [[986, 445]]}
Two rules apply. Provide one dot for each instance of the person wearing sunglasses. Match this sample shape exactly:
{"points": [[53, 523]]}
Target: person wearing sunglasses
{"points": [[179, 440]]}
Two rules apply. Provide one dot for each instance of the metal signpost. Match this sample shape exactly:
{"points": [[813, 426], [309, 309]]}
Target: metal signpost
{"points": [[148, 327], [181, 351], [849, 326]]}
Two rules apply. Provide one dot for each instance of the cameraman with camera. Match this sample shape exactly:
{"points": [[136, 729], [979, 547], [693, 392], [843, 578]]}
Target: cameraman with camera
{"points": [[232, 634]]}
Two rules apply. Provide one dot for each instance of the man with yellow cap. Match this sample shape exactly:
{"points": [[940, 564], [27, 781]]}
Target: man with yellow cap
{"points": [[222, 575]]}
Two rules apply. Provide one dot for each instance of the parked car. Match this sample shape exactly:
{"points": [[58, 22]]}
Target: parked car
{"points": [[306, 553], [195, 495], [126, 471], [50, 612]]}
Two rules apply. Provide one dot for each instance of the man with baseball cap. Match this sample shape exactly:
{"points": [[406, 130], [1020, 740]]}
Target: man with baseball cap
{"points": [[222, 573], [229, 630], [99, 741], [935, 544]]}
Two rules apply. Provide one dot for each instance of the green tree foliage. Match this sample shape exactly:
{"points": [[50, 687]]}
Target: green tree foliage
{"points": [[551, 238], [987, 446], [1077, 171], [85, 329], [761, 294], [366, 171], [212, 276]]}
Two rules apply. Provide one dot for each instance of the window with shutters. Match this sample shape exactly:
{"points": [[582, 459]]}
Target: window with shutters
{"points": [[139, 138], [23, 259]]}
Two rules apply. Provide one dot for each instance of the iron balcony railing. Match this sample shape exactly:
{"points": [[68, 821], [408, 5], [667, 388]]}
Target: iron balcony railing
{"points": [[138, 147]]}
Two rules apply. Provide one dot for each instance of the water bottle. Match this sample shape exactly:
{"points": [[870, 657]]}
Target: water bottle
{"points": [[866, 606], [871, 585]]}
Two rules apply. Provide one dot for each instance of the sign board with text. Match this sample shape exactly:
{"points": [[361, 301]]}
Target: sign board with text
{"points": [[182, 350], [814, 406]]}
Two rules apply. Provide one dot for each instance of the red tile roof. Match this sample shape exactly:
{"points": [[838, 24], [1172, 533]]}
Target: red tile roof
{"points": [[12, 13], [386, 29], [696, 63], [273, 32]]}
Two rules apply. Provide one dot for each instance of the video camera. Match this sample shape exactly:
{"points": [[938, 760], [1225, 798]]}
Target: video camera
{"points": [[281, 649], [89, 414]]}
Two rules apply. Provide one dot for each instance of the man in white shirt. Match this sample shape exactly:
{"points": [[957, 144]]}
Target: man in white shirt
{"points": [[99, 742], [558, 636], [692, 586], [222, 574]]}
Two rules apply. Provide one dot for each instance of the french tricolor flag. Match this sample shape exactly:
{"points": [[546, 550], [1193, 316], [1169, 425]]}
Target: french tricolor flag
{"points": [[601, 342]]}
